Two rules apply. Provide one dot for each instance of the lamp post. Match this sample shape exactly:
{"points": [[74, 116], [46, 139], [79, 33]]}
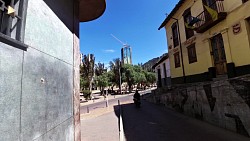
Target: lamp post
{"points": [[179, 37], [120, 78]]}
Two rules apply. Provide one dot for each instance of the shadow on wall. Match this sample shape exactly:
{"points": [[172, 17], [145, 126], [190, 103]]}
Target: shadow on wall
{"points": [[65, 12]]}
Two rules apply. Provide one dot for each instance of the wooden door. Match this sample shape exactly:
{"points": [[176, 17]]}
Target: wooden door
{"points": [[219, 54]]}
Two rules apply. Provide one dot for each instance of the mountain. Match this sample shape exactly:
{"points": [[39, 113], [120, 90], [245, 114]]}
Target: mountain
{"points": [[148, 65]]}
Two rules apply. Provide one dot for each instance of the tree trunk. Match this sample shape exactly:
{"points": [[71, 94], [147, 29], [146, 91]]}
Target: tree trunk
{"points": [[130, 88]]}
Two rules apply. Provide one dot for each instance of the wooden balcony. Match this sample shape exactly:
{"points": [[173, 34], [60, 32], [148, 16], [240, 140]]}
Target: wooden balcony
{"points": [[206, 21]]}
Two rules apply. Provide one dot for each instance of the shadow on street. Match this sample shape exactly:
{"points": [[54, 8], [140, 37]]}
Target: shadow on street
{"points": [[157, 123]]}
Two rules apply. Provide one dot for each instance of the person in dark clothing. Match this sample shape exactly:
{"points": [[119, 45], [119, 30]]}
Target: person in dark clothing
{"points": [[137, 99]]}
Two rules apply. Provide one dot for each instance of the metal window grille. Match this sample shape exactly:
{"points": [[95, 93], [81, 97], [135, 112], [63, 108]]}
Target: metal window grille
{"points": [[177, 60], [192, 54], [175, 34], [187, 19], [243, 1], [10, 22]]}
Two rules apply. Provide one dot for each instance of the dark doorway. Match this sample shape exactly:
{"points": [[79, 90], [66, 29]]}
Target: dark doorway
{"points": [[219, 54], [159, 78]]}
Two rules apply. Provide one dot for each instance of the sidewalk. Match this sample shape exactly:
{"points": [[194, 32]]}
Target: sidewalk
{"points": [[101, 124], [98, 98], [101, 128]]}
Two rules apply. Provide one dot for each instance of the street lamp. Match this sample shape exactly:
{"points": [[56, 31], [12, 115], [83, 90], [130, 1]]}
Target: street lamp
{"points": [[120, 78], [179, 37]]}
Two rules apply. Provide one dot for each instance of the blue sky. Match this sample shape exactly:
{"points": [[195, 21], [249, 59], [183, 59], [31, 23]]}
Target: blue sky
{"points": [[134, 22]]}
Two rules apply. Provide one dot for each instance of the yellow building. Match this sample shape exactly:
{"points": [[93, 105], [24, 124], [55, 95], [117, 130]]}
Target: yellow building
{"points": [[213, 36]]}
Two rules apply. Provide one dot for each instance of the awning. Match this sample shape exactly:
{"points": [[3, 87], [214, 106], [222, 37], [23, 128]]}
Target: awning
{"points": [[91, 9]]}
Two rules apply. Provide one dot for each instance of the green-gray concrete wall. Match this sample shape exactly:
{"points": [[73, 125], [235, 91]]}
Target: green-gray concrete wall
{"points": [[36, 86]]}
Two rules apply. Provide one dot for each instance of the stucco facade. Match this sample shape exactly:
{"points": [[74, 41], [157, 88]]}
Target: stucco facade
{"points": [[232, 28], [162, 72], [39, 74]]}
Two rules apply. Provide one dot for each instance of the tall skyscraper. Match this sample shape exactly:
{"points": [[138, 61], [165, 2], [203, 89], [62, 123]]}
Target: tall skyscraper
{"points": [[126, 55]]}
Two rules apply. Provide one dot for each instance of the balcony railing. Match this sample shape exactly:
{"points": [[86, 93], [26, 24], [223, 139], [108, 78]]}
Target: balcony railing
{"points": [[205, 19]]}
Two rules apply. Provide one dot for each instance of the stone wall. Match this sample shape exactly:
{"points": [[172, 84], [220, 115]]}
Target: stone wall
{"points": [[225, 103]]}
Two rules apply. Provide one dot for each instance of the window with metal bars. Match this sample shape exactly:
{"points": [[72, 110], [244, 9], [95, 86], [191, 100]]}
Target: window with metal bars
{"points": [[243, 1], [177, 60], [12, 14], [187, 19], [192, 54], [175, 34]]}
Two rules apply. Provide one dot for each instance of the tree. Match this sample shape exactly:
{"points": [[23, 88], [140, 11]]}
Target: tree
{"points": [[140, 78], [87, 70], [99, 69], [151, 78], [102, 81], [130, 75], [140, 75], [115, 66], [83, 84]]}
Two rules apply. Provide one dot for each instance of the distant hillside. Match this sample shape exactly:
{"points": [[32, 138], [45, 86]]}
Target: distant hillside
{"points": [[148, 65]]}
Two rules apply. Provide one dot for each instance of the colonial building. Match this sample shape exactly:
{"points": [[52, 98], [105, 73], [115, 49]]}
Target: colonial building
{"points": [[208, 39], [162, 70], [39, 67]]}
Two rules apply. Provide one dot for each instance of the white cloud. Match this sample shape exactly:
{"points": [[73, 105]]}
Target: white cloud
{"points": [[109, 51]]}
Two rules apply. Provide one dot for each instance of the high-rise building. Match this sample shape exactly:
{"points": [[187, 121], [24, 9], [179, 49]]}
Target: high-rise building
{"points": [[126, 55]]}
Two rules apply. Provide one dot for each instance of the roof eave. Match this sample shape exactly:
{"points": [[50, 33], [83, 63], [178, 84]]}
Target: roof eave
{"points": [[91, 9], [176, 8], [160, 61]]}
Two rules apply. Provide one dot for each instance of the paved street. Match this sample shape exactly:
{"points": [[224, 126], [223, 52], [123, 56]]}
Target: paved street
{"points": [[149, 123], [157, 123]]}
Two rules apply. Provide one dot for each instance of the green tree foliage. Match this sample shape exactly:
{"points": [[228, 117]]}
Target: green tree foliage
{"points": [[130, 75], [114, 68], [151, 78], [83, 84], [87, 70], [102, 81], [135, 75], [110, 76], [99, 69]]}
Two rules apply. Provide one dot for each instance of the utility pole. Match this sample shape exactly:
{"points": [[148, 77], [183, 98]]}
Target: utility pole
{"points": [[120, 78]]}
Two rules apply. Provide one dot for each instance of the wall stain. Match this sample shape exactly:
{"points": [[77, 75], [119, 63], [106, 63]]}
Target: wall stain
{"points": [[243, 89], [240, 128], [210, 98]]}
